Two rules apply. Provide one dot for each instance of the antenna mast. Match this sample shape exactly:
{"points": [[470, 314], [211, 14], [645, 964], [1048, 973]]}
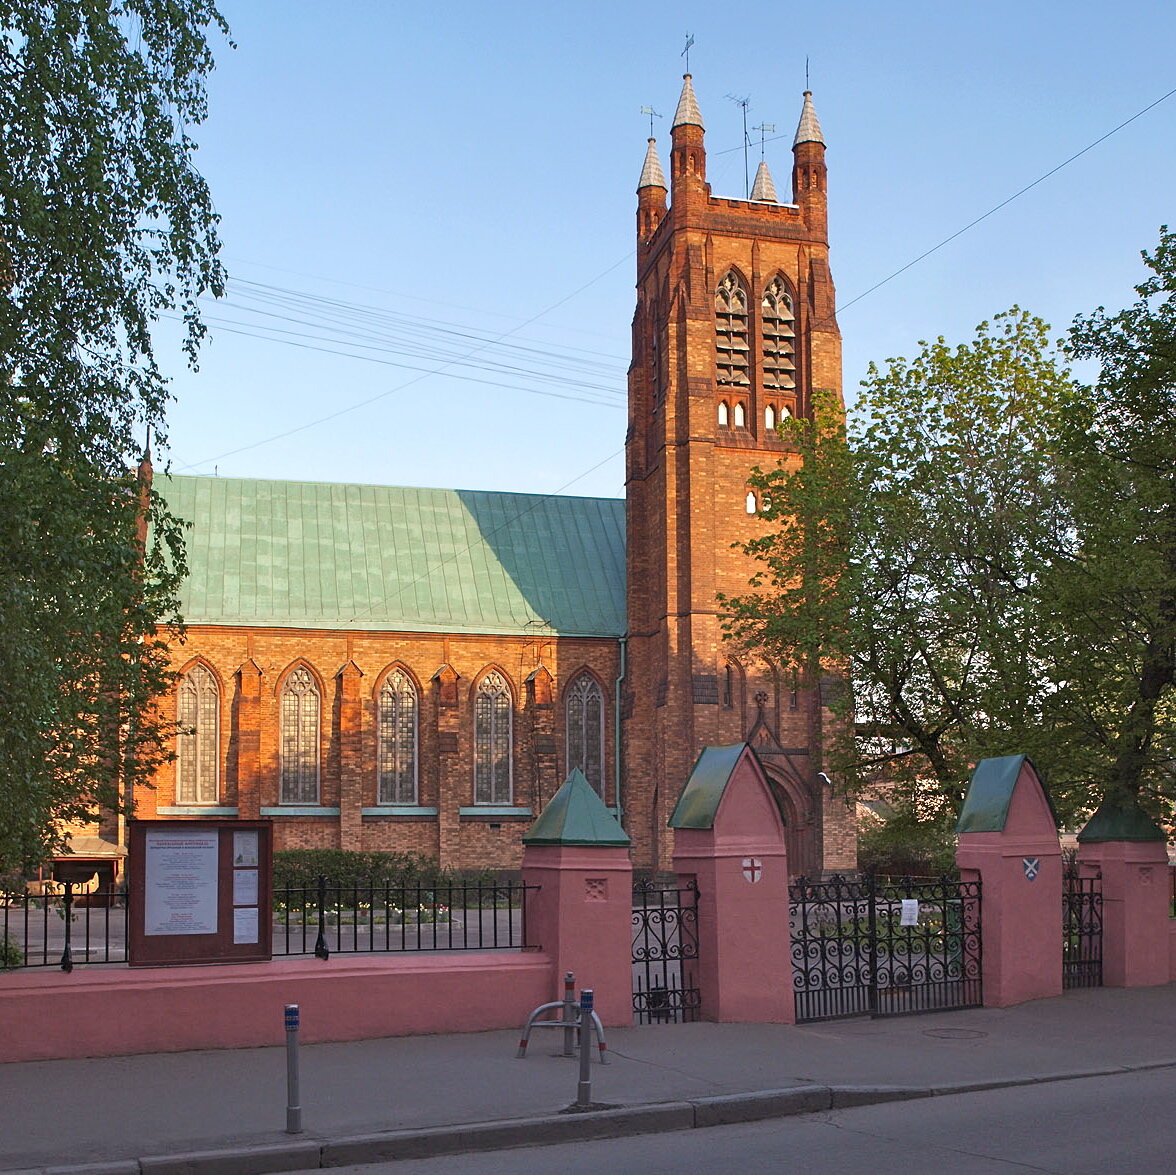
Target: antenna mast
{"points": [[744, 103]]}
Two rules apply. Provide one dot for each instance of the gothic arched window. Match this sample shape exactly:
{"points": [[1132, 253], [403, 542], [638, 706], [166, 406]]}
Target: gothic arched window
{"points": [[585, 726], [198, 741], [740, 415], [300, 739], [770, 418], [724, 414], [779, 336], [750, 503], [493, 713], [731, 352], [396, 740]]}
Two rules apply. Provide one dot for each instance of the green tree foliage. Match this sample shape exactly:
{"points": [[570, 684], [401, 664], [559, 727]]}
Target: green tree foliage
{"points": [[104, 225], [988, 552], [905, 554], [1113, 600]]}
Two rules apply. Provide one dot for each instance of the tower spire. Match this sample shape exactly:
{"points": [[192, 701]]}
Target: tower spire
{"points": [[687, 113], [652, 175], [763, 189], [651, 194], [808, 130], [687, 154], [808, 170]]}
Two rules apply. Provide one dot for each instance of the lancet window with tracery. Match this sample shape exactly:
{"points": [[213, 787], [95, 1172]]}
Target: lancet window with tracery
{"points": [[779, 338], [585, 726], [198, 742], [300, 739], [396, 750], [731, 350], [493, 733]]}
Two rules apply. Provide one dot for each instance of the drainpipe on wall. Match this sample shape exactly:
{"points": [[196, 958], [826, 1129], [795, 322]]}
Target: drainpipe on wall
{"points": [[623, 645]]}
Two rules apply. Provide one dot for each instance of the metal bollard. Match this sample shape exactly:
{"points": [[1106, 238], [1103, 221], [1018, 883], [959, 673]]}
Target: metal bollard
{"points": [[584, 1089], [569, 1013], [293, 1108]]}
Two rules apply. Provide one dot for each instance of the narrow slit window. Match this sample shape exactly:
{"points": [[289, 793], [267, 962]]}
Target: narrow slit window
{"points": [[769, 418], [750, 504], [740, 416], [724, 414]]}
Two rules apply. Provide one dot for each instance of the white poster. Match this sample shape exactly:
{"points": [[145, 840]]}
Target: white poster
{"points": [[910, 912], [245, 848], [244, 887], [245, 926], [181, 882]]}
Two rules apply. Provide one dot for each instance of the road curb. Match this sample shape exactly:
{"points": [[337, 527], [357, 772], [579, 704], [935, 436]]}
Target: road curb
{"points": [[660, 1117]]}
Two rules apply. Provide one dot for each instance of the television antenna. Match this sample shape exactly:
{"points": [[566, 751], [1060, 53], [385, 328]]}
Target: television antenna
{"points": [[744, 103]]}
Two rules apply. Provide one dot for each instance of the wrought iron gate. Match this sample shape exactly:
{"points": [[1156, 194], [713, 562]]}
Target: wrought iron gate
{"points": [[665, 953], [878, 948], [1081, 931]]}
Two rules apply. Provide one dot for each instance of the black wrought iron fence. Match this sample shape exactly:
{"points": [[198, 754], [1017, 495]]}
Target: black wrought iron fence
{"points": [[665, 953], [324, 919], [58, 924], [63, 924], [884, 947], [1081, 931]]}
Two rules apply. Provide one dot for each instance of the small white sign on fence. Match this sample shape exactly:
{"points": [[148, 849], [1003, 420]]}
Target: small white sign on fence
{"points": [[910, 912]]}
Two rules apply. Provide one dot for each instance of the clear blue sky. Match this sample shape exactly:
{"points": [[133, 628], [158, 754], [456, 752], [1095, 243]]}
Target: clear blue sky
{"points": [[423, 184]]}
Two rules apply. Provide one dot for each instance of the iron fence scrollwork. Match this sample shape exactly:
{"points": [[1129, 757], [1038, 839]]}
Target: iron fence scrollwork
{"points": [[1081, 931], [665, 953], [884, 948]]}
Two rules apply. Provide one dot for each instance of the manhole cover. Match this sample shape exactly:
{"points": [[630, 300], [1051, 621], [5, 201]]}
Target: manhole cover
{"points": [[954, 1033]]}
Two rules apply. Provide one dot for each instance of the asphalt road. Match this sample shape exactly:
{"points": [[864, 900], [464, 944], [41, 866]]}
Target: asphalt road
{"points": [[1121, 1125]]}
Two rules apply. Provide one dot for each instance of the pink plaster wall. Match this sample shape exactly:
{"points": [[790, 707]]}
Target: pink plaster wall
{"points": [[581, 918], [1021, 923], [91, 1013], [745, 955], [1136, 936]]}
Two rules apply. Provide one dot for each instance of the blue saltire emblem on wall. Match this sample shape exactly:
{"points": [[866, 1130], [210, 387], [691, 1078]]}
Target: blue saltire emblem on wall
{"points": [[1032, 866]]}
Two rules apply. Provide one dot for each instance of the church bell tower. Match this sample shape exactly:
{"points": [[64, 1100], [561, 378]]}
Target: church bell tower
{"points": [[734, 330]]}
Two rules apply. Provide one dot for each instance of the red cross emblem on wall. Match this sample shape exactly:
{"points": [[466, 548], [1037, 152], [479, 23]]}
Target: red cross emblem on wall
{"points": [[753, 869]]}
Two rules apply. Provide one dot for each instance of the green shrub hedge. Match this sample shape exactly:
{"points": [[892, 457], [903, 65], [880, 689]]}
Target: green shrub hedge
{"points": [[345, 868]]}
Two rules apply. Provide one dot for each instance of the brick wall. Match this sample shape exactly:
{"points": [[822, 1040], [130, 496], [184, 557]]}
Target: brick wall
{"points": [[251, 664], [687, 498]]}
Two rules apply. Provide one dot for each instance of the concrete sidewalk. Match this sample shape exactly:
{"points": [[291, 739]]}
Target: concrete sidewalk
{"points": [[150, 1113]]}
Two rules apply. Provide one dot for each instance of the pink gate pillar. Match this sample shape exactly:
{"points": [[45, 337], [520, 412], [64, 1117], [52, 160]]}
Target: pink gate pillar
{"points": [[581, 914], [1123, 843], [729, 836], [1008, 839]]}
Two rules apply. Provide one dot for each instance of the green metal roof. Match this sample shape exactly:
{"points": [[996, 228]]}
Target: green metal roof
{"points": [[1120, 818], [319, 555], [986, 805], [576, 815], [703, 791]]}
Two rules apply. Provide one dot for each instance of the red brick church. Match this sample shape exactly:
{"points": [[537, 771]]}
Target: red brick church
{"points": [[400, 669]]}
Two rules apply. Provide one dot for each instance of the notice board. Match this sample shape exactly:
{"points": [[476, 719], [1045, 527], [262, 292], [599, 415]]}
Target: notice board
{"points": [[201, 891]]}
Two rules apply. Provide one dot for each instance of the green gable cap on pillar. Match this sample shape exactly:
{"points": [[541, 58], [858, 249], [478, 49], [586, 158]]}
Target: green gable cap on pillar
{"points": [[986, 806], [576, 815], [704, 790], [1120, 818]]}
